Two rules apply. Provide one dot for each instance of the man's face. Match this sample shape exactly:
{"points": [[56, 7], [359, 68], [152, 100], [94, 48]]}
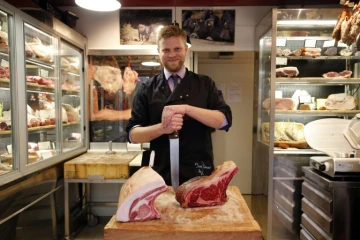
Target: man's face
{"points": [[172, 52]]}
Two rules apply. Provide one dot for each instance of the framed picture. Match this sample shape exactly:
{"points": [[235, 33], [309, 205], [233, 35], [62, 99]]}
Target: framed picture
{"points": [[209, 27], [139, 26]]}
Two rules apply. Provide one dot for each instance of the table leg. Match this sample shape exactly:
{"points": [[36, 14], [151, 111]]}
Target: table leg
{"points": [[67, 210]]}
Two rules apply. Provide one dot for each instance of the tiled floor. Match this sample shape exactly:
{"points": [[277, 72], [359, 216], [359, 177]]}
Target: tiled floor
{"points": [[256, 203]]}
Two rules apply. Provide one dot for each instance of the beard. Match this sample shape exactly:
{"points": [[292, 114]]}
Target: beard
{"points": [[173, 66]]}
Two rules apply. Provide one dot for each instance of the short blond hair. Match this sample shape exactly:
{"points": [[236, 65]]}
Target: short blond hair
{"points": [[171, 31]]}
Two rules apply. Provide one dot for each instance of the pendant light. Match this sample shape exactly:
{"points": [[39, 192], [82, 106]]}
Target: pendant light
{"points": [[99, 5]]}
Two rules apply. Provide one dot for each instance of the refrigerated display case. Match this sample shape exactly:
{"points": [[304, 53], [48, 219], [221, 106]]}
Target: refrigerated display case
{"points": [[300, 67], [42, 85]]}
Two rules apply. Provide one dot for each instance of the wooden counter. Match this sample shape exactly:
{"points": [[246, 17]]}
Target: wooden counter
{"points": [[231, 221], [114, 166]]}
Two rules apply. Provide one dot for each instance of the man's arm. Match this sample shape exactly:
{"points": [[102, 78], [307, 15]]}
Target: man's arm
{"points": [[148, 133]]}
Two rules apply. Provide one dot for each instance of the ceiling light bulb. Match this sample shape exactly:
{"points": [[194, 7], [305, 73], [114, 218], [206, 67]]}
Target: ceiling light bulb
{"points": [[99, 5], [150, 63]]}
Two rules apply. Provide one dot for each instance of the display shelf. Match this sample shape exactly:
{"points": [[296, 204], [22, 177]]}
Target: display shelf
{"points": [[325, 113], [320, 57], [318, 81], [296, 151], [73, 73], [36, 62], [40, 128]]}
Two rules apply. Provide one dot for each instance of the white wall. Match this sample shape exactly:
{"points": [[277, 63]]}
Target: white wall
{"points": [[236, 144], [103, 29]]}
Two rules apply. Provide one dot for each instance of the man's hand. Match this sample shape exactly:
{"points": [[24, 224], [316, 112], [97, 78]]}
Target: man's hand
{"points": [[170, 111], [175, 124]]}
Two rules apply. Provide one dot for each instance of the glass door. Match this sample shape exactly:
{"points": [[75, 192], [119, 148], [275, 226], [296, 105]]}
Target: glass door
{"points": [[41, 81], [7, 163], [71, 62]]}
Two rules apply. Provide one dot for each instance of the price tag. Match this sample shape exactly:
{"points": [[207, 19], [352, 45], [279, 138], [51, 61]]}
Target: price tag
{"points": [[280, 42], [9, 149], [341, 44], [44, 73], [281, 61], [330, 43], [310, 43], [44, 145], [46, 154], [4, 63]]}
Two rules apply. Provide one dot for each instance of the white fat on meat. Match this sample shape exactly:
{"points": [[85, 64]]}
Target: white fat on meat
{"points": [[280, 104], [72, 114], [129, 80], [138, 194], [109, 78], [341, 101]]}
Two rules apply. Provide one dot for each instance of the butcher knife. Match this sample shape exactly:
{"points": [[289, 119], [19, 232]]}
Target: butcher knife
{"points": [[174, 159]]}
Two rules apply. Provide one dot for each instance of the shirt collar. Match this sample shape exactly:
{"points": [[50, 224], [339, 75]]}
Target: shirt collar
{"points": [[180, 73]]}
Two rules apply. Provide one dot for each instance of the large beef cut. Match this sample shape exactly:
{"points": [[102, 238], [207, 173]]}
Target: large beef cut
{"points": [[341, 101], [280, 104], [138, 194], [207, 190]]}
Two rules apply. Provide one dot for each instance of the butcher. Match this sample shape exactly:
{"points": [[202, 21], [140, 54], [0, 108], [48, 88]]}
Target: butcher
{"points": [[178, 100]]}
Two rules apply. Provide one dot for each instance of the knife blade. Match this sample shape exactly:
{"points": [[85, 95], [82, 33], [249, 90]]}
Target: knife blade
{"points": [[174, 159]]}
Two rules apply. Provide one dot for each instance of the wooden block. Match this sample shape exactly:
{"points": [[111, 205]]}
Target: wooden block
{"points": [[231, 221], [113, 166]]}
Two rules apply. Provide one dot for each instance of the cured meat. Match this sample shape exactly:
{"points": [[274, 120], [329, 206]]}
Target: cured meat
{"points": [[138, 194], [286, 134], [207, 190], [129, 80], [330, 75], [280, 104], [287, 72], [337, 30], [341, 101], [41, 51], [296, 52], [108, 77], [343, 74], [72, 114], [331, 51]]}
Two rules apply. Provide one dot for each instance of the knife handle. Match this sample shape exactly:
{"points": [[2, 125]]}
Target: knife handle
{"points": [[174, 135]]}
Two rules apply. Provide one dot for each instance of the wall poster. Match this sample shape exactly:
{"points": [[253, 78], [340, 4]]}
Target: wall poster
{"points": [[209, 27], [139, 26]]}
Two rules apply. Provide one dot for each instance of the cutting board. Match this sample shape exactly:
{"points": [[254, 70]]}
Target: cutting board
{"points": [[326, 135], [112, 166], [231, 221]]}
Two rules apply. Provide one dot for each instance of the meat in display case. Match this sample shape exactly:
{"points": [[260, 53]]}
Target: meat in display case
{"points": [[41, 94], [303, 75], [6, 162]]}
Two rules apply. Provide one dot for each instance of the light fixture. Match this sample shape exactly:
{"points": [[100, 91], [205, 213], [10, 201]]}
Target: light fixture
{"points": [[150, 63], [99, 5]]}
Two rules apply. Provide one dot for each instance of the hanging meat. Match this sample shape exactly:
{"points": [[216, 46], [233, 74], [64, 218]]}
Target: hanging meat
{"points": [[108, 77], [345, 28], [337, 30], [130, 78], [355, 27]]}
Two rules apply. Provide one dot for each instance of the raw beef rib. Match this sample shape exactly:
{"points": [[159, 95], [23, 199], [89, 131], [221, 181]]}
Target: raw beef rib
{"points": [[138, 194], [207, 190]]}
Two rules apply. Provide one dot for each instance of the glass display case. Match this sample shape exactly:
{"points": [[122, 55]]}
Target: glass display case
{"points": [[300, 69], [6, 85], [42, 100]]}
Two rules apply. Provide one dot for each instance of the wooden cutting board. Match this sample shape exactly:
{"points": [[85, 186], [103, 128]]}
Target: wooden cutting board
{"points": [[113, 166], [326, 135], [231, 221]]}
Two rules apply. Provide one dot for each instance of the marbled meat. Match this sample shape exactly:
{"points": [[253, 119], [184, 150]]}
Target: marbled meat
{"points": [[207, 190]]}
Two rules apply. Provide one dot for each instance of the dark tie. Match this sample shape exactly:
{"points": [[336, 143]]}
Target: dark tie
{"points": [[175, 79]]}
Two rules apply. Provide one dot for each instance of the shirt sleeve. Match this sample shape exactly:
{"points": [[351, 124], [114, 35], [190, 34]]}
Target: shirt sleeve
{"points": [[139, 111], [216, 102]]}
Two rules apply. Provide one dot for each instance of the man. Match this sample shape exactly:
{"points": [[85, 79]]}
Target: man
{"points": [[194, 108]]}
